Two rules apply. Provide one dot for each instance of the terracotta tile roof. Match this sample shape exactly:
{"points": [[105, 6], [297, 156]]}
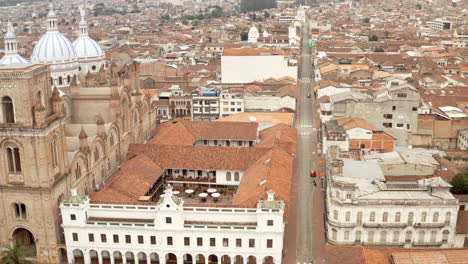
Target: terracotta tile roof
{"points": [[184, 132], [431, 257], [199, 157], [462, 223], [461, 197], [251, 52], [281, 135], [130, 182]]}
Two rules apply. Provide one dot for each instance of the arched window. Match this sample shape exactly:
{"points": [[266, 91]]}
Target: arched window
{"points": [[385, 217], [60, 80], [448, 215], [410, 218], [372, 217], [8, 110], [334, 234], [68, 79], [383, 236], [236, 176], [396, 237], [228, 176], [358, 236], [54, 151], [348, 216], [408, 236], [78, 171], [335, 214], [433, 236], [435, 217], [445, 236], [359, 218], [421, 236], [111, 140], [96, 155], [397, 217], [14, 160], [423, 217], [346, 235], [19, 210], [370, 237]]}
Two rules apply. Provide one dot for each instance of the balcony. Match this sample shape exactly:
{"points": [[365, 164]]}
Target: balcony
{"points": [[185, 179], [385, 225], [429, 225], [341, 224], [386, 244]]}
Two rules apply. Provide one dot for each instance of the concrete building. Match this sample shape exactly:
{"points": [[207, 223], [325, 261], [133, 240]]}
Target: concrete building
{"points": [[365, 207], [230, 104], [462, 141], [393, 109], [249, 65], [205, 107], [269, 102], [441, 24]]}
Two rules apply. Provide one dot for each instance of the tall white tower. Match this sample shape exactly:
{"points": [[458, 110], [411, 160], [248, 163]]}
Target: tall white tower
{"points": [[11, 48]]}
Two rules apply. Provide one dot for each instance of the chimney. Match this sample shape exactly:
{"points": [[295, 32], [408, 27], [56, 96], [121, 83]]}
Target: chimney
{"points": [[74, 191]]}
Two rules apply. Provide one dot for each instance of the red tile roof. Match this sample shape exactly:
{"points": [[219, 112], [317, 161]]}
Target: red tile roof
{"points": [[252, 52]]}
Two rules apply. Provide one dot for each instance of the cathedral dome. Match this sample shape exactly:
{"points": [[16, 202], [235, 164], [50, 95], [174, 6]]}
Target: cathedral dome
{"points": [[53, 46], [253, 31], [11, 48], [86, 47]]}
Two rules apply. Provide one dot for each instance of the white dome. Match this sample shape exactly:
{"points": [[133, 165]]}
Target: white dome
{"points": [[12, 59], [53, 46], [253, 31], [86, 47]]}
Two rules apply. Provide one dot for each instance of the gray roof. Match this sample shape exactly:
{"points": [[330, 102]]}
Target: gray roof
{"points": [[362, 169]]}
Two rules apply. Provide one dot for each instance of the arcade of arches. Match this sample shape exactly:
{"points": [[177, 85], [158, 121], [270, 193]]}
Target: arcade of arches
{"points": [[105, 257]]}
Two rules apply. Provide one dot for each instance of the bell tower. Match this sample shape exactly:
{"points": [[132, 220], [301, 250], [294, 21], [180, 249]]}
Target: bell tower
{"points": [[32, 159]]}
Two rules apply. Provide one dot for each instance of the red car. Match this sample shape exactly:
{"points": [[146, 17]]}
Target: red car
{"points": [[313, 174]]}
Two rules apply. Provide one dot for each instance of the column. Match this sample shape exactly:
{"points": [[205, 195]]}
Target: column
{"points": [[124, 258], [111, 257], [162, 258], [87, 258], [137, 260], [99, 256], [70, 257], [148, 258]]}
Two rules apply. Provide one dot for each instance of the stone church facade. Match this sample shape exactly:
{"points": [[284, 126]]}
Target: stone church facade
{"points": [[52, 140]]}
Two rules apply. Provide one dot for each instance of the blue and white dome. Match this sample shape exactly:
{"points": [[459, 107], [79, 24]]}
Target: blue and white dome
{"points": [[53, 46], [11, 48], [86, 47]]}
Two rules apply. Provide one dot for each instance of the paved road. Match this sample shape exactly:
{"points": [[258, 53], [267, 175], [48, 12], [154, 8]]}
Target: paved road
{"points": [[310, 244]]}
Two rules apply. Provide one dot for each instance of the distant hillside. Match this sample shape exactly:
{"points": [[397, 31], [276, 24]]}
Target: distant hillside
{"points": [[255, 5], [15, 2]]}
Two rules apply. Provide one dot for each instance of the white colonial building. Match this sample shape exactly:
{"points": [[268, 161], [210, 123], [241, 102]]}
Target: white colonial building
{"points": [[365, 208], [170, 232]]}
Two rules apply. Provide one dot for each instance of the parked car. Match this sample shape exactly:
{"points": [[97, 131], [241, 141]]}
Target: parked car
{"points": [[313, 174]]}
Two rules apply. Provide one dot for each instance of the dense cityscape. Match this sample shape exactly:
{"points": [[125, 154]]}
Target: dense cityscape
{"points": [[234, 132]]}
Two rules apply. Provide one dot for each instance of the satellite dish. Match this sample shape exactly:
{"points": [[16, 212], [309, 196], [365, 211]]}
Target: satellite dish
{"points": [[253, 119]]}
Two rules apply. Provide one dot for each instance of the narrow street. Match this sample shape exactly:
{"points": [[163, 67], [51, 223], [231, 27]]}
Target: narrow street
{"points": [[310, 231]]}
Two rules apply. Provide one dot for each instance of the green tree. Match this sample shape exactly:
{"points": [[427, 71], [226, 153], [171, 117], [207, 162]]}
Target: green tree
{"points": [[184, 22], [374, 38], [418, 6], [460, 184], [196, 23], [244, 35], [266, 15], [16, 255], [409, 79], [366, 20]]}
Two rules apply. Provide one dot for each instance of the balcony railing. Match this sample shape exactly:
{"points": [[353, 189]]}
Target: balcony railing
{"points": [[427, 243], [385, 225], [190, 179], [429, 225], [341, 224]]}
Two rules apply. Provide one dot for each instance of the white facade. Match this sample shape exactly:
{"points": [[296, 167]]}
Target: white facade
{"points": [[462, 141], [205, 108], [246, 69], [170, 232], [253, 35], [363, 210], [269, 103]]}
